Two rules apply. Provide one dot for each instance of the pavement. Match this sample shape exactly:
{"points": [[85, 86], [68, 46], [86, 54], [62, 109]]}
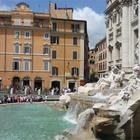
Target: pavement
{"points": [[53, 97]]}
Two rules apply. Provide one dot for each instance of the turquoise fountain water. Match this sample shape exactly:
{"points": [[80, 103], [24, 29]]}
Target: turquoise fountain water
{"points": [[31, 122]]}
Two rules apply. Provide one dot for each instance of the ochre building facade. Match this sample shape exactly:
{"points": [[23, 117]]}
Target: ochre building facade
{"points": [[42, 50]]}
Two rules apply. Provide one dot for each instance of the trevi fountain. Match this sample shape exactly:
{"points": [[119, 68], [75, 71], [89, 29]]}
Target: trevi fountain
{"points": [[108, 108]]}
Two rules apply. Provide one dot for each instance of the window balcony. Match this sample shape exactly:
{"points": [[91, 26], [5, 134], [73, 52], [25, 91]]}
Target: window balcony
{"points": [[5, 23], [31, 25]]}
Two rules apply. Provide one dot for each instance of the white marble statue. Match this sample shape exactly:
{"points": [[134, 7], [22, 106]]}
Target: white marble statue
{"points": [[11, 91], [113, 80], [136, 53], [130, 89]]}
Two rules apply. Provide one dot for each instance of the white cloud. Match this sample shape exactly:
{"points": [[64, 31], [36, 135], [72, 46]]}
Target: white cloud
{"points": [[95, 24], [4, 7]]}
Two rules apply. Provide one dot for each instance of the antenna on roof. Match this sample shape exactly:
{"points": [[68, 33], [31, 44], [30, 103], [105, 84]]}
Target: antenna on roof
{"points": [[67, 16], [39, 7]]}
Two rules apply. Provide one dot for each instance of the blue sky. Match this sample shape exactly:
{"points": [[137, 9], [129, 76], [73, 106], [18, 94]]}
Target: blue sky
{"points": [[90, 10], [97, 5]]}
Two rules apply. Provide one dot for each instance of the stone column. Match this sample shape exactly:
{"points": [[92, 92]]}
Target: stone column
{"points": [[125, 37], [139, 29], [131, 46]]}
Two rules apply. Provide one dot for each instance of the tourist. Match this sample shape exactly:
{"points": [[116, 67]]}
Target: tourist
{"points": [[56, 90], [8, 99], [18, 99], [52, 91], [12, 99], [25, 90], [31, 100], [11, 91], [39, 91]]}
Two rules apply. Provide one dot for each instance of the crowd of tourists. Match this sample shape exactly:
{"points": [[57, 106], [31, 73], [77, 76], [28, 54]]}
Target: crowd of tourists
{"points": [[26, 94], [20, 99]]}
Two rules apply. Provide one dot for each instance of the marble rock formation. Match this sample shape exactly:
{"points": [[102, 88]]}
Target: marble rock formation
{"points": [[83, 129], [115, 108], [65, 99]]}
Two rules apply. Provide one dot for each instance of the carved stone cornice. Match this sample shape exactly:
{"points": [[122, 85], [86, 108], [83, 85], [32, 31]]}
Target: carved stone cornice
{"points": [[119, 9], [125, 2], [111, 7]]}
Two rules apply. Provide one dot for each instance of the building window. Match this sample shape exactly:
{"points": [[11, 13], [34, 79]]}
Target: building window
{"points": [[118, 51], [107, 23], [54, 26], [16, 64], [26, 65], [110, 55], [74, 55], [110, 52], [100, 66], [17, 21], [118, 47], [54, 71], [75, 41], [27, 34], [17, 34], [17, 48], [75, 28], [118, 32], [119, 16], [27, 22], [105, 55], [46, 65], [114, 18], [53, 54], [105, 65], [110, 36], [110, 22], [46, 50], [75, 71], [100, 57], [54, 39], [46, 35], [27, 48]]}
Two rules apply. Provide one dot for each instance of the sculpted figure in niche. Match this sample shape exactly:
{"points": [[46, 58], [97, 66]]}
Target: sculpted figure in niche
{"points": [[135, 8], [136, 54]]}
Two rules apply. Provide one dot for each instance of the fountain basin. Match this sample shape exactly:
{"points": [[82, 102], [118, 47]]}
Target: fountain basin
{"points": [[31, 122]]}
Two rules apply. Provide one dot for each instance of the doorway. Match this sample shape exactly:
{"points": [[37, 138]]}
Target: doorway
{"points": [[56, 86], [16, 81], [26, 81], [72, 86], [16, 84], [38, 83]]}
